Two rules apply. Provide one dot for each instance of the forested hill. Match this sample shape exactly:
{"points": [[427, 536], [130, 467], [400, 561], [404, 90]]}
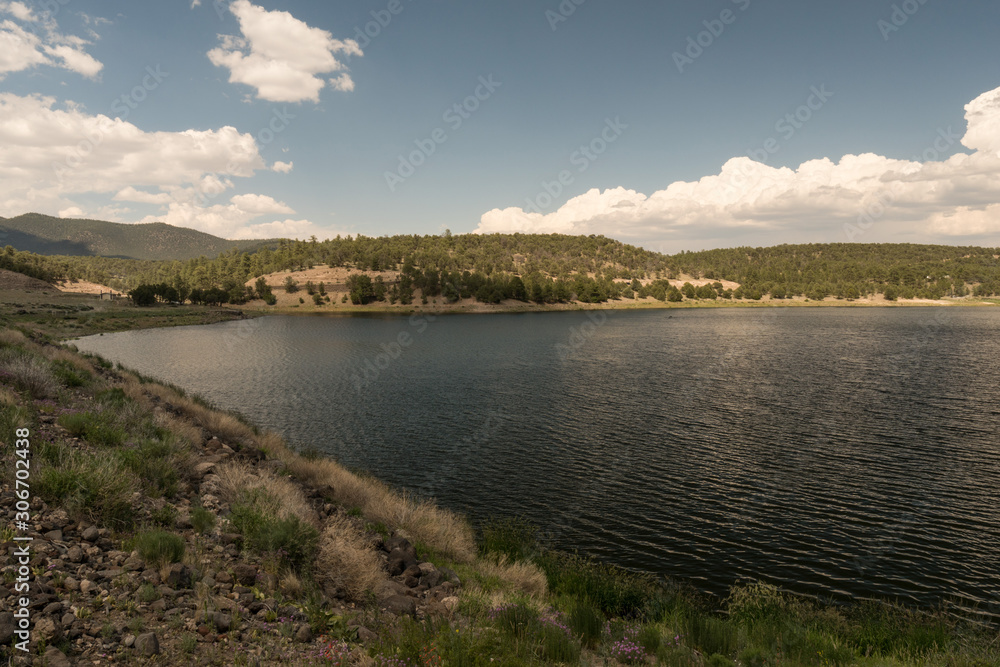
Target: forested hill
{"points": [[46, 235], [560, 267]]}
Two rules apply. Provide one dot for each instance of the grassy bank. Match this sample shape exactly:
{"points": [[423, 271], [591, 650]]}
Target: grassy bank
{"points": [[211, 534]]}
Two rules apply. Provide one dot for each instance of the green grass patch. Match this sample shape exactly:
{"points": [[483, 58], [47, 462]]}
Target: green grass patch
{"points": [[513, 537], [294, 541], [158, 547], [69, 375], [98, 487], [155, 463], [202, 520]]}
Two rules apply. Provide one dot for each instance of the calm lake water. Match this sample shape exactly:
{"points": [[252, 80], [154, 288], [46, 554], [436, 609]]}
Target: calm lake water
{"points": [[846, 452]]}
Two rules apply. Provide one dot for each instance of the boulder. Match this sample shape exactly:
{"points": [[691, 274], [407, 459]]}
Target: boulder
{"points": [[147, 644], [400, 605]]}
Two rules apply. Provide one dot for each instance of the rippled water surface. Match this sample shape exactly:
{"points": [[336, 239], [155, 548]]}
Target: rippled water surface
{"points": [[840, 451]]}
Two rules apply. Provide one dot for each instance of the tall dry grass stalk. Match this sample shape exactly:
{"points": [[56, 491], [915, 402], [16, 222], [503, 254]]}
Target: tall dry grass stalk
{"points": [[347, 562]]}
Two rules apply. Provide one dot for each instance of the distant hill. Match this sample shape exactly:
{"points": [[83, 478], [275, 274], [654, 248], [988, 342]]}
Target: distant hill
{"points": [[46, 235]]}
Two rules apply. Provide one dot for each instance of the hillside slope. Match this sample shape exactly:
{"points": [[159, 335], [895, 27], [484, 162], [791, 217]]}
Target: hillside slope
{"points": [[46, 235]]}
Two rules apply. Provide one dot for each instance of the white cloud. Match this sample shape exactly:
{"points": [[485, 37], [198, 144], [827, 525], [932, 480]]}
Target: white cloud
{"points": [[281, 56], [71, 212], [861, 197], [282, 167], [195, 3], [18, 10], [40, 43], [260, 204], [49, 154]]}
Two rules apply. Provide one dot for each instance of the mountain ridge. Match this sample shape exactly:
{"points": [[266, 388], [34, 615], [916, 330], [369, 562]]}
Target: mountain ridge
{"points": [[48, 235]]}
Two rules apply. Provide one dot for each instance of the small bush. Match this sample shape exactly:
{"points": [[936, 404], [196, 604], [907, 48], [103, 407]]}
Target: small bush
{"points": [[616, 591], [202, 520], [12, 417], [159, 548], [148, 593], [346, 563], [290, 538]]}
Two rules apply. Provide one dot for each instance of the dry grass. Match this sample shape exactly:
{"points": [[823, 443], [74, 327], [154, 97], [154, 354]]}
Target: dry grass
{"points": [[183, 430], [291, 585], [278, 497], [438, 529], [347, 563], [227, 427], [7, 397], [30, 372], [522, 576], [12, 337], [59, 354]]}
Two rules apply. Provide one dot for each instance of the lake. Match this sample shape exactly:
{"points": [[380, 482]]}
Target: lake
{"points": [[842, 452]]}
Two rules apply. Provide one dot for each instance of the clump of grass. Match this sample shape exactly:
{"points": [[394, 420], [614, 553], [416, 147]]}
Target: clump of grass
{"points": [[523, 577], [165, 516], [28, 372], [12, 417], [617, 592], [98, 487], [712, 635], [586, 623], [513, 538], [97, 429], [155, 463], [202, 520], [515, 620], [159, 548], [346, 562], [69, 375], [290, 538], [148, 593]]}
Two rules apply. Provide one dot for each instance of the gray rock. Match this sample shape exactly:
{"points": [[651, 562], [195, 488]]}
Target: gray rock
{"points": [[54, 536], [56, 658], [365, 635], [245, 574], [75, 554], [303, 634], [179, 576], [147, 644], [8, 624], [91, 534], [400, 605]]}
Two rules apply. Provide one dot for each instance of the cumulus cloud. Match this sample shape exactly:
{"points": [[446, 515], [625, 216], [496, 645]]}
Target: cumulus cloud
{"points": [[50, 154], [36, 41], [861, 197], [282, 167], [282, 57]]}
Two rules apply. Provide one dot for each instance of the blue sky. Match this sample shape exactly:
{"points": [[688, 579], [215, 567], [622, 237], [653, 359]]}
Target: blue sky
{"points": [[665, 124]]}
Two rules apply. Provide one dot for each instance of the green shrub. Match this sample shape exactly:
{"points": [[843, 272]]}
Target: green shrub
{"points": [[292, 539], [148, 593], [158, 547], [717, 660], [649, 638], [202, 520], [755, 657]]}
